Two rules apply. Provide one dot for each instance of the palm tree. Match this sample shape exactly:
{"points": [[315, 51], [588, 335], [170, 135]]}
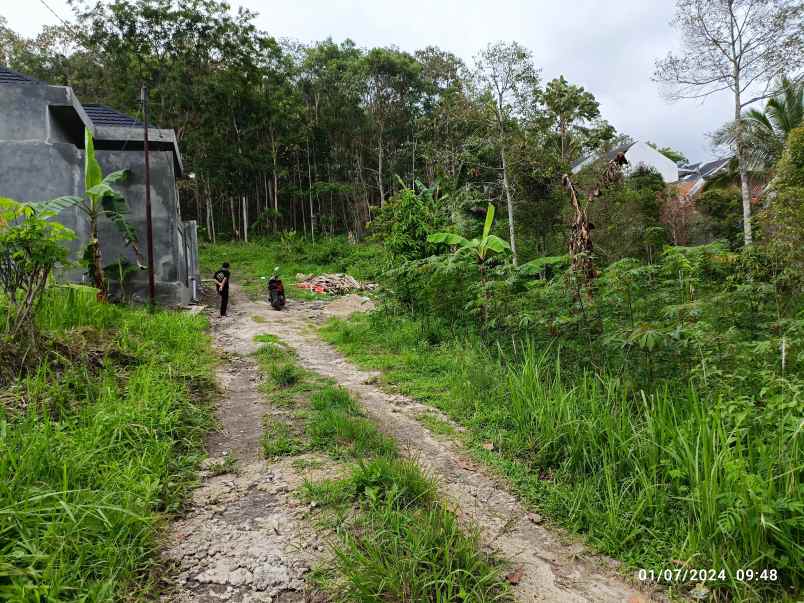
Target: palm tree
{"points": [[766, 131]]}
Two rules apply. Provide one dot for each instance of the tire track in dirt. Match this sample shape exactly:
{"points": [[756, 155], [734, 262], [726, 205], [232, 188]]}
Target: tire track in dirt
{"points": [[244, 537], [555, 569]]}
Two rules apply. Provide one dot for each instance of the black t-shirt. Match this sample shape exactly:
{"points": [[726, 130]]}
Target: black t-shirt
{"points": [[220, 275]]}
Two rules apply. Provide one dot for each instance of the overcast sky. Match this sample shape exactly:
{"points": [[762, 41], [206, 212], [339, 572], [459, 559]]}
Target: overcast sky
{"points": [[609, 48]]}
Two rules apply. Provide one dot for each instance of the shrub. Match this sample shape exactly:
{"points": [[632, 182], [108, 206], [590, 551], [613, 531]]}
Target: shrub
{"points": [[722, 210], [406, 221], [30, 247]]}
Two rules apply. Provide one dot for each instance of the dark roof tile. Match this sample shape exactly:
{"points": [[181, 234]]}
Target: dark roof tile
{"points": [[8, 76], [709, 168], [105, 116]]}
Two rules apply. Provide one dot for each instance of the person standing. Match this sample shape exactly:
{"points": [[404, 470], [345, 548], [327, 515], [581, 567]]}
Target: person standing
{"points": [[222, 283]]}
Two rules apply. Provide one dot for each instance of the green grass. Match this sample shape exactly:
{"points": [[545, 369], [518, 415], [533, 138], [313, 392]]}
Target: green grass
{"points": [[402, 544], [436, 424], [287, 382], [253, 263], [278, 440], [94, 450], [649, 478], [332, 420], [336, 425], [229, 464]]}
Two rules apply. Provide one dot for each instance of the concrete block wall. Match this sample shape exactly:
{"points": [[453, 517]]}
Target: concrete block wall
{"points": [[40, 159]]}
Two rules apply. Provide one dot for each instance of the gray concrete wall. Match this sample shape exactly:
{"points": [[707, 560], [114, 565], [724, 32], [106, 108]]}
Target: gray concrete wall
{"points": [[38, 162]]}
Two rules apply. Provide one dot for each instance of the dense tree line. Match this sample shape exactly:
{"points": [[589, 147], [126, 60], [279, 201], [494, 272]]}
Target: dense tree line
{"points": [[316, 137]]}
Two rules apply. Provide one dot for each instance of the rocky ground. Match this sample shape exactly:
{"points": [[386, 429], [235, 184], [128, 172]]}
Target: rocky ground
{"points": [[247, 538]]}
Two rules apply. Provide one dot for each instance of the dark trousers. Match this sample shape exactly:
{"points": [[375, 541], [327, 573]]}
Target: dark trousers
{"points": [[224, 301]]}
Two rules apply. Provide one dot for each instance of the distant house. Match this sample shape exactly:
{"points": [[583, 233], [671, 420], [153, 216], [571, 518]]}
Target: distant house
{"points": [[42, 157], [638, 154], [693, 177]]}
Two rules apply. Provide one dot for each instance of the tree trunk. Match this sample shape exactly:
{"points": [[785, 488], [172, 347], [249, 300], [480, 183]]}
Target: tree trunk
{"points": [[379, 173], [210, 215], [745, 189], [232, 211], [274, 153], [507, 188], [97, 260], [740, 143], [310, 193], [245, 219], [268, 203]]}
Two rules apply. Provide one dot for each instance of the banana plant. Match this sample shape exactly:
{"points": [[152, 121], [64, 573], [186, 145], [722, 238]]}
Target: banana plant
{"points": [[100, 199], [481, 247]]}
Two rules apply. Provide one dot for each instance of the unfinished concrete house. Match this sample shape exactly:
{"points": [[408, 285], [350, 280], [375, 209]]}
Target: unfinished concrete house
{"points": [[42, 157]]}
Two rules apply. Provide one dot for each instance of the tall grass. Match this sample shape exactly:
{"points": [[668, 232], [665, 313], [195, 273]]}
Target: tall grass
{"points": [[657, 479], [95, 449]]}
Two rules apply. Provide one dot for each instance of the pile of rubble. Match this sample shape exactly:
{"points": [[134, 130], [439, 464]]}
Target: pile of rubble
{"points": [[338, 284]]}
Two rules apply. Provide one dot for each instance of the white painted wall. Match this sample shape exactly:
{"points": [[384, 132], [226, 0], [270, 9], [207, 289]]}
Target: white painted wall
{"points": [[642, 154]]}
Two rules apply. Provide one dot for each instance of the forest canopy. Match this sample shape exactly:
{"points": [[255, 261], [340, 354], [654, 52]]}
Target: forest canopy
{"points": [[314, 137]]}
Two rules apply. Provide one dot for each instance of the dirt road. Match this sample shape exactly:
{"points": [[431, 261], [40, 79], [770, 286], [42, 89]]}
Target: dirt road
{"points": [[245, 538]]}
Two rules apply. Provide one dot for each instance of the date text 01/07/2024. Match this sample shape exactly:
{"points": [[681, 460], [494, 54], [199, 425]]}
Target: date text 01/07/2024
{"points": [[683, 574]]}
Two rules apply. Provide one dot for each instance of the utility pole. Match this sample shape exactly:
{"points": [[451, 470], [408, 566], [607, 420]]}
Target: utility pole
{"points": [[148, 223]]}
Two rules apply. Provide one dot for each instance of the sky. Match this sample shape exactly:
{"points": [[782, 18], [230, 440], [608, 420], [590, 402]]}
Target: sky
{"points": [[608, 48]]}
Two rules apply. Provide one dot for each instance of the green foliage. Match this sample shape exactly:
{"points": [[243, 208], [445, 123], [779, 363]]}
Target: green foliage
{"points": [[791, 167], [671, 472], [767, 130], [626, 219], [574, 115], [101, 200], [657, 416], [675, 156], [783, 219], [30, 248], [722, 208], [406, 221], [481, 248], [94, 452]]}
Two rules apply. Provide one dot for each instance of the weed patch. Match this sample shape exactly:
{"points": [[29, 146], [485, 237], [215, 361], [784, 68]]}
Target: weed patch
{"points": [[401, 543], [648, 476], [395, 539], [337, 426], [278, 440], [95, 447], [229, 464]]}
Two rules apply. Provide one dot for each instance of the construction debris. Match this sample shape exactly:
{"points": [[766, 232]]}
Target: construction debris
{"points": [[337, 284]]}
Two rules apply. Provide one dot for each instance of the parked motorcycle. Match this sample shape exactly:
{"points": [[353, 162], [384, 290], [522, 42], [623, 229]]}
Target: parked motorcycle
{"points": [[276, 291]]}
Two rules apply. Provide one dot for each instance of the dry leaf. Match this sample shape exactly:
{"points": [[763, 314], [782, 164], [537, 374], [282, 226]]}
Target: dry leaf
{"points": [[488, 445], [515, 577], [534, 517]]}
